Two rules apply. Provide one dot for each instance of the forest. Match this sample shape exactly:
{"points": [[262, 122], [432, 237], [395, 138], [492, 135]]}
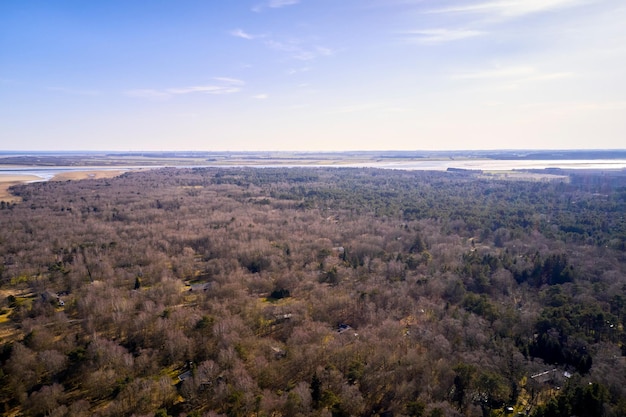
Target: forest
{"points": [[314, 292]]}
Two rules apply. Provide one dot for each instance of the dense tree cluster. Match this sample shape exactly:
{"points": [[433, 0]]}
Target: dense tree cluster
{"points": [[286, 292]]}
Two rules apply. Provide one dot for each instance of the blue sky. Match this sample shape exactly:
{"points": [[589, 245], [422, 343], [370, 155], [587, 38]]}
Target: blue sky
{"points": [[312, 74]]}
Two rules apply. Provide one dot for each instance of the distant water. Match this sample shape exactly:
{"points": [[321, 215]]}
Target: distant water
{"points": [[46, 173], [502, 165], [473, 164]]}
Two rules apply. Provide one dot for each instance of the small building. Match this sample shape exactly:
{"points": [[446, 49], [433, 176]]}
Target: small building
{"points": [[185, 375], [199, 287], [342, 328], [544, 377], [52, 298], [278, 352], [339, 250]]}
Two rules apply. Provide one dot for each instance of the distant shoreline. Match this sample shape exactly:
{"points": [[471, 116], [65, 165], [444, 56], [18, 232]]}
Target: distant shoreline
{"points": [[104, 159], [9, 180], [87, 166]]}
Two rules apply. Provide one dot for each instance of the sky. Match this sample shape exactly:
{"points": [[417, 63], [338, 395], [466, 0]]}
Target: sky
{"points": [[312, 75]]}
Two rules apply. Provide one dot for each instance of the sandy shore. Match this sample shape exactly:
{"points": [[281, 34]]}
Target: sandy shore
{"points": [[9, 180]]}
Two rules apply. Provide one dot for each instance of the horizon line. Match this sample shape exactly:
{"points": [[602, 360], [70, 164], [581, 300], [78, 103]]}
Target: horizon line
{"points": [[317, 151]]}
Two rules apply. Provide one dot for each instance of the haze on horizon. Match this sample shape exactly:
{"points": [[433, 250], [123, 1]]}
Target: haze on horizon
{"points": [[307, 75]]}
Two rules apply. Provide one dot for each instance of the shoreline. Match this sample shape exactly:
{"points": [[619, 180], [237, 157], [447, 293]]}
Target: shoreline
{"points": [[9, 180], [15, 174]]}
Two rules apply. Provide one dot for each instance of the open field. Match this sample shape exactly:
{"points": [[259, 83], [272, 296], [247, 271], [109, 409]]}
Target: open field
{"points": [[84, 175], [525, 176], [7, 181]]}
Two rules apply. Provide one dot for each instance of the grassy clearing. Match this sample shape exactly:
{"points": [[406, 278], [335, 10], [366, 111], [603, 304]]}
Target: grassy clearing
{"points": [[86, 175], [7, 181], [4, 315], [524, 176]]}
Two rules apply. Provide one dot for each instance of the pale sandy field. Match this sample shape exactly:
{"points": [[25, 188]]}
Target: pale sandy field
{"points": [[84, 175], [9, 180]]}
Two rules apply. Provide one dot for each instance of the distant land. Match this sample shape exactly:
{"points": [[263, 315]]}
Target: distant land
{"points": [[208, 158]]}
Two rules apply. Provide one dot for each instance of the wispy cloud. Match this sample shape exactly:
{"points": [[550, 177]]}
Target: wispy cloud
{"points": [[147, 93], [239, 33], [572, 107], [512, 77], [293, 71], [510, 8], [299, 52], [75, 92], [274, 4], [378, 107], [223, 86], [229, 80], [498, 73], [296, 48], [282, 3], [207, 89], [435, 36], [512, 73], [551, 76]]}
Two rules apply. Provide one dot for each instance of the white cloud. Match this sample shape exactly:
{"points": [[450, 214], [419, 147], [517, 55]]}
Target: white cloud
{"points": [[551, 76], [228, 80], [434, 36], [512, 78], [224, 86], [76, 92], [293, 71], [293, 46], [208, 89], [274, 4], [517, 74], [496, 73], [299, 52], [239, 33], [576, 106], [371, 107], [510, 8], [147, 93], [323, 51], [281, 46]]}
